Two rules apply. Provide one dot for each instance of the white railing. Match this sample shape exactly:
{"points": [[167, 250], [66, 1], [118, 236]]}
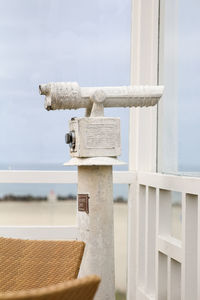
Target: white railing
{"points": [[120, 177], [61, 177], [41, 232], [161, 266]]}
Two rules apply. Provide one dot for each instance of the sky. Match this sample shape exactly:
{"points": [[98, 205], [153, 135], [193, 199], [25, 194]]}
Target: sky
{"points": [[88, 42], [56, 40]]}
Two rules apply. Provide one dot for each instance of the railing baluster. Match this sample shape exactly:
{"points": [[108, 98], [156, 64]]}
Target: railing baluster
{"points": [[189, 236], [141, 235], [198, 251], [156, 250], [163, 228], [175, 280], [169, 283], [132, 237], [162, 277], [150, 240]]}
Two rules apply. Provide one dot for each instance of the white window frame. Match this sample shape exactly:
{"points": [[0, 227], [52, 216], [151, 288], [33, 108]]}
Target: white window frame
{"points": [[143, 122]]}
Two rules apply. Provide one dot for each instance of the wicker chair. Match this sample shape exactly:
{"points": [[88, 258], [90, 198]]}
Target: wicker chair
{"points": [[29, 264], [43, 269], [78, 289]]}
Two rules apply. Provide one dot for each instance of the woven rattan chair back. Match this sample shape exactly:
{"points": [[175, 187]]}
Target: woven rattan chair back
{"points": [[28, 264], [78, 289]]}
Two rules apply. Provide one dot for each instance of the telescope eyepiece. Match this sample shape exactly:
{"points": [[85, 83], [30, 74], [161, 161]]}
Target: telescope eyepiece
{"points": [[49, 108], [44, 89]]}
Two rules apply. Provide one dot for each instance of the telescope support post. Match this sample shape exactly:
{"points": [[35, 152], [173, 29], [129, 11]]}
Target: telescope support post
{"points": [[96, 227]]}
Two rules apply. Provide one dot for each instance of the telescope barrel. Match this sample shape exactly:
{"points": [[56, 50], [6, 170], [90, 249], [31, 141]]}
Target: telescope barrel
{"points": [[68, 95]]}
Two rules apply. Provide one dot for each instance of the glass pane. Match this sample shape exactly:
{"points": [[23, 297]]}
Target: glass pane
{"points": [[167, 108], [188, 87], [56, 40], [179, 137]]}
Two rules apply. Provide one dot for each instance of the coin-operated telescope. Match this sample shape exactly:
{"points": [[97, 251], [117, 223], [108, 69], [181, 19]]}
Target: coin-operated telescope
{"points": [[96, 135], [94, 142]]}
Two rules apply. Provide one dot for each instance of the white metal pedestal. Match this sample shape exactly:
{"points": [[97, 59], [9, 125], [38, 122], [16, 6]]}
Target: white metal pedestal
{"points": [[96, 227]]}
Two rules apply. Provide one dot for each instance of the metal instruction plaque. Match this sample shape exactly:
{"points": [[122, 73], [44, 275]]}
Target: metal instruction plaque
{"points": [[83, 203], [101, 136]]}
